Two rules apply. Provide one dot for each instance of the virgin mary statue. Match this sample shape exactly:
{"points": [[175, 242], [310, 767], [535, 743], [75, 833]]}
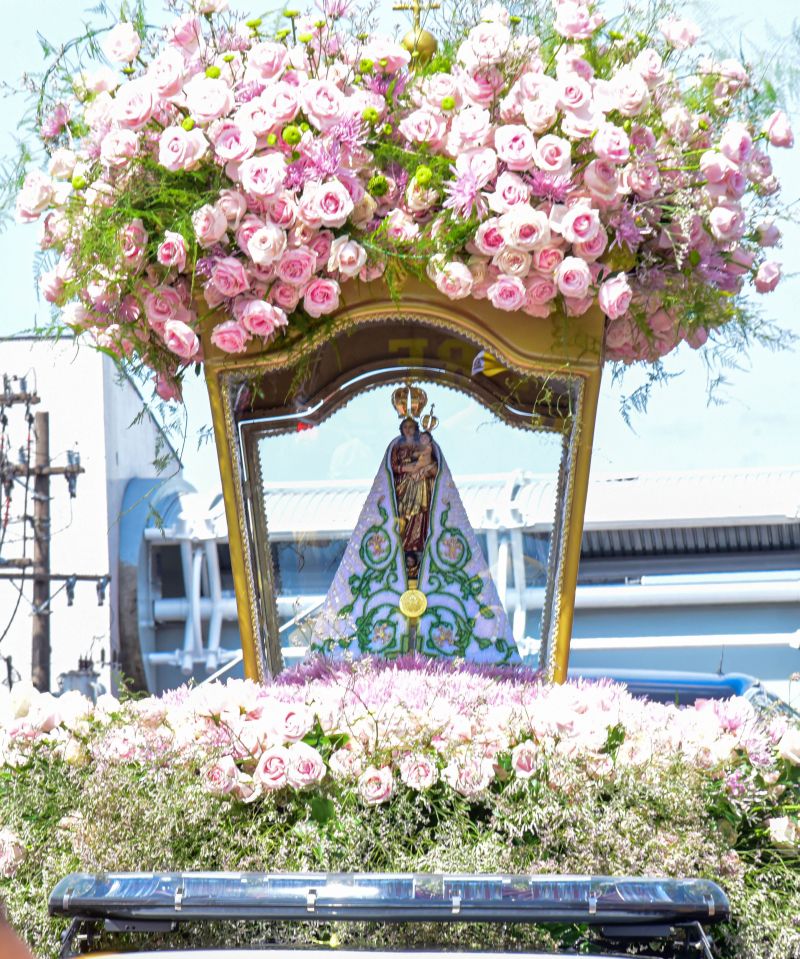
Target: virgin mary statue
{"points": [[413, 577]]}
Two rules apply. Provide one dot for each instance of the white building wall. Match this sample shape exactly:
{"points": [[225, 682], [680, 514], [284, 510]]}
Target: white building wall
{"points": [[91, 409]]}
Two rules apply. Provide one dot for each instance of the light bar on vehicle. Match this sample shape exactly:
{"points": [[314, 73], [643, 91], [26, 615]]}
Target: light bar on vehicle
{"points": [[415, 897]]}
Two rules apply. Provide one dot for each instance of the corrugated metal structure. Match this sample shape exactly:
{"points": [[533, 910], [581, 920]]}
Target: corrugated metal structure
{"points": [[695, 570]]}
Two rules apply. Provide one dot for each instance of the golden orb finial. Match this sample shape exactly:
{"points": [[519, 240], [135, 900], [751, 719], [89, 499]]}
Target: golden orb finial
{"points": [[420, 43]]}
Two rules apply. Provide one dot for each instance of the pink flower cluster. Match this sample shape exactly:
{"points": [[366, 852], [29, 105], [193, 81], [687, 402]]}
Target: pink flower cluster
{"points": [[374, 727], [584, 171]]}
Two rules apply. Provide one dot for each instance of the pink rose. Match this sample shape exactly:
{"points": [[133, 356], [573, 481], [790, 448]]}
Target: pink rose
{"points": [[488, 237], [487, 43], [262, 176], [469, 129], [292, 722], [509, 190], [167, 388], [423, 126], [297, 266], [232, 142], [346, 763], [186, 33], [779, 130], [306, 766], [643, 179], [523, 759], [166, 72], [210, 225], [591, 250], [333, 203], [208, 99], [650, 66], [12, 853], [133, 241], [118, 146], [507, 293], [180, 149], [418, 771], [540, 113], [133, 104], [51, 285], [539, 290], [272, 771], [122, 43], [161, 304], [573, 277], [391, 55], [282, 209], [553, 154], [512, 262], [547, 259], [574, 94], [321, 297], [768, 276], [454, 279], [248, 227], [611, 143], [323, 103], [680, 34], [574, 21], [580, 223], [726, 221], [259, 317], [321, 245], [470, 776], [230, 337], [615, 296], [481, 162], [376, 785], [346, 256], [400, 227], [181, 339], [280, 102], [284, 295], [233, 205], [267, 244], [768, 233], [515, 146], [228, 276], [267, 59], [524, 228], [220, 777], [630, 91], [736, 142]]}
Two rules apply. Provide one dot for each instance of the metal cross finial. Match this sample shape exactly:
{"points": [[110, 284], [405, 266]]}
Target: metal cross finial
{"points": [[416, 9]]}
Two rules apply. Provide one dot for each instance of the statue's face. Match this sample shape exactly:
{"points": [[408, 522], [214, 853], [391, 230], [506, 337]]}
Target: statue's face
{"points": [[424, 440], [408, 430]]}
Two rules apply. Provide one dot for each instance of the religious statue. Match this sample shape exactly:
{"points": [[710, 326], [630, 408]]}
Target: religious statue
{"points": [[413, 577]]}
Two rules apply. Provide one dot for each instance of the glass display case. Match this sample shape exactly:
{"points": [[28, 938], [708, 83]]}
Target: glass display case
{"points": [[410, 477]]}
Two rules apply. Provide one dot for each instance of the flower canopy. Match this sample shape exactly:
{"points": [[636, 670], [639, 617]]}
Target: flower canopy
{"points": [[545, 162]]}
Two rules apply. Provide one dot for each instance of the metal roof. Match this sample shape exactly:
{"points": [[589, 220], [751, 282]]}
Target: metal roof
{"points": [[630, 515]]}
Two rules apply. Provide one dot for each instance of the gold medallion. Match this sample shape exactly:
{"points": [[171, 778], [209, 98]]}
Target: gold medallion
{"points": [[413, 603]]}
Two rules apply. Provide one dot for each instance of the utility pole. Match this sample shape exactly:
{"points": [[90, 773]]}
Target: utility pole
{"points": [[40, 636], [40, 471]]}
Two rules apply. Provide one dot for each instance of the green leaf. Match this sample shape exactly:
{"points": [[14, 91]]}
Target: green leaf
{"points": [[322, 809]]}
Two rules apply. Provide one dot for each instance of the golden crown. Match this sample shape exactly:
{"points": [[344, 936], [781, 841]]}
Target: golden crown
{"points": [[409, 402]]}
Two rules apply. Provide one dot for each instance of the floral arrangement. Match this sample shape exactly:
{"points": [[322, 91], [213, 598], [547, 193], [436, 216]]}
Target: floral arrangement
{"points": [[547, 162], [405, 765]]}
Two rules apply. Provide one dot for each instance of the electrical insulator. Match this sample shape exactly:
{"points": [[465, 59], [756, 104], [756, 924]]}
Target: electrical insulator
{"points": [[69, 585]]}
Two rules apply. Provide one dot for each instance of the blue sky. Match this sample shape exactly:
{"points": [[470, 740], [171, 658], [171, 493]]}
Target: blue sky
{"points": [[754, 421]]}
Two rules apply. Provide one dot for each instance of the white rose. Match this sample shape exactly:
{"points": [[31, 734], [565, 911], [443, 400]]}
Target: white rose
{"points": [[789, 746], [62, 163], [346, 256], [267, 244]]}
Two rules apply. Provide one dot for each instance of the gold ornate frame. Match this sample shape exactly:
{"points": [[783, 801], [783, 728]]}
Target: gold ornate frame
{"points": [[569, 349]]}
